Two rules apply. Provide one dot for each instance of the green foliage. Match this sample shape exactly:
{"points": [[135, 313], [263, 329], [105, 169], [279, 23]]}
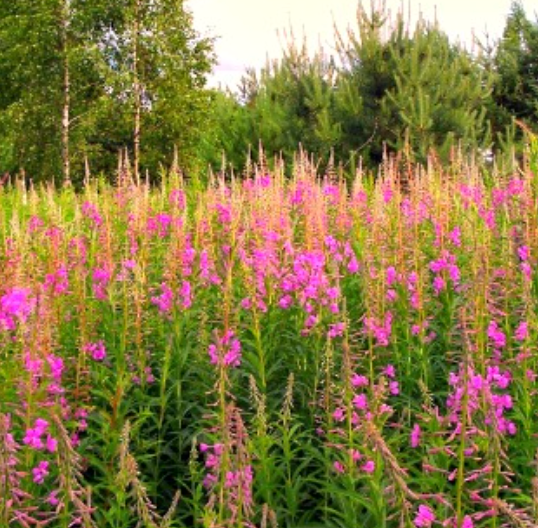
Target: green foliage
{"points": [[30, 102], [516, 65], [393, 89], [294, 103], [289, 103], [227, 140], [172, 65], [411, 90]]}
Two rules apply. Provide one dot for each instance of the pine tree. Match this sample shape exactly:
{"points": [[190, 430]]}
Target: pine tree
{"points": [[439, 97], [408, 90], [291, 103], [515, 65], [362, 83]]}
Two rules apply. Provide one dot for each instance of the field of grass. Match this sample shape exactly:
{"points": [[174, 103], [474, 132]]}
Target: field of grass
{"points": [[272, 352]]}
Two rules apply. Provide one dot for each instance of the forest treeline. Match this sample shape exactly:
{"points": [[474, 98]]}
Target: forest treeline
{"points": [[83, 81]]}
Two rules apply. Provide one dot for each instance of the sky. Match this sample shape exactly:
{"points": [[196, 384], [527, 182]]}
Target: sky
{"points": [[249, 31]]}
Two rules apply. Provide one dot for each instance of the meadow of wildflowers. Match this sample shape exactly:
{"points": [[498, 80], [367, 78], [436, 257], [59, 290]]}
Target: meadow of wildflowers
{"points": [[272, 352]]}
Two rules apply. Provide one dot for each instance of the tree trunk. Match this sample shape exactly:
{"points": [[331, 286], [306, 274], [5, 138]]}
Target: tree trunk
{"points": [[137, 94], [66, 94]]}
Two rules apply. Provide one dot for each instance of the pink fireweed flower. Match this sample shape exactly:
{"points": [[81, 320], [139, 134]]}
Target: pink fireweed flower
{"points": [[368, 467], [56, 365], [17, 304], [212, 461], [382, 336], [185, 294], [454, 273], [127, 268], [332, 293], [332, 244], [515, 186], [522, 331], [391, 295], [501, 379], [210, 481], [496, 336], [33, 365], [33, 436], [41, 425], [439, 284], [232, 358], [336, 330], [339, 467], [488, 216], [96, 350], [455, 236], [246, 303], [390, 371], [523, 253], [177, 198], [57, 283], [129, 264], [391, 276], [425, 517], [52, 499], [387, 193], [33, 439], [101, 278], [355, 455], [75, 439], [380, 332], [164, 222], [40, 472], [285, 302], [213, 354], [476, 382], [231, 479], [467, 522], [438, 265], [339, 415], [81, 413], [334, 308], [164, 301], [360, 401], [150, 378], [384, 409], [91, 212], [353, 265], [394, 388], [359, 381], [34, 224], [414, 300], [51, 444], [415, 436], [310, 322], [226, 351]]}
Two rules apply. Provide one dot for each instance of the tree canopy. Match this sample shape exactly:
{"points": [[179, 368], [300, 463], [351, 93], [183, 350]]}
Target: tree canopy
{"points": [[100, 77], [83, 81]]}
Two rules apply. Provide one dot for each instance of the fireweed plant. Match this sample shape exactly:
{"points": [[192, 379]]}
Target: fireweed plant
{"points": [[272, 352]]}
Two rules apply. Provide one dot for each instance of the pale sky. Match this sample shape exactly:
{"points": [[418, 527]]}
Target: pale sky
{"points": [[247, 31]]}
